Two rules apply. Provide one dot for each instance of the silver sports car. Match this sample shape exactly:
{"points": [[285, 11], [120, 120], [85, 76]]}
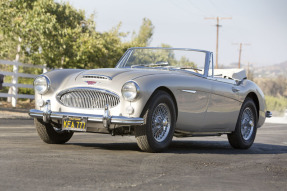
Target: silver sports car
{"points": [[154, 94]]}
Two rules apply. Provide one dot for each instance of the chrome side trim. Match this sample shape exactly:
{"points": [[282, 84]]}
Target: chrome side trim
{"points": [[119, 120], [189, 91]]}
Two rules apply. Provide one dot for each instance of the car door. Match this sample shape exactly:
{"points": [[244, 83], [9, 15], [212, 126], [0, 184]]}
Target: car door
{"points": [[193, 97], [223, 107]]}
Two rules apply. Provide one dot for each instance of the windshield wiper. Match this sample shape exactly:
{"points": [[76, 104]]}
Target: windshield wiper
{"points": [[161, 63], [196, 69]]}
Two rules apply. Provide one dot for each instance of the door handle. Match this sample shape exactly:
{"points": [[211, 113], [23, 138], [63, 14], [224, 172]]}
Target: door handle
{"points": [[235, 89]]}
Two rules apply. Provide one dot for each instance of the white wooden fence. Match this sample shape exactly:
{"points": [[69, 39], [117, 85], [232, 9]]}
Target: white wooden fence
{"points": [[14, 85]]}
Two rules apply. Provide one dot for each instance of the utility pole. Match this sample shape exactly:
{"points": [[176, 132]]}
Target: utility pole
{"points": [[217, 33], [240, 51], [248, 69], [249, 73]]}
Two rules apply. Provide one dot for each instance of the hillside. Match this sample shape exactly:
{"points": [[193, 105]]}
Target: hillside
{"points": [[271, 71]]}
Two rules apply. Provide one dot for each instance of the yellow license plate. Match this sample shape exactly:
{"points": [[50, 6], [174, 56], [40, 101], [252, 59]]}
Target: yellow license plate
{"points": [[74, 124]]}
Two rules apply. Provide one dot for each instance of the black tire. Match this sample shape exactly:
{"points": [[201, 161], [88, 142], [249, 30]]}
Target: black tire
{"points": [[236, 139], [159, 102], [49, 135]]}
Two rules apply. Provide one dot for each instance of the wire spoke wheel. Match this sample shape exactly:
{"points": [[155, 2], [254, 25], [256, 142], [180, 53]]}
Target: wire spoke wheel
{"points": [[160, 118], [246, 127], [247, 124], [161, 122]]}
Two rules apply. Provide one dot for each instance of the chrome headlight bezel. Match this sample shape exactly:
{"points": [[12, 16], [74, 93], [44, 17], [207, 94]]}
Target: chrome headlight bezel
{"points": [[42, 81], [130, 91]]}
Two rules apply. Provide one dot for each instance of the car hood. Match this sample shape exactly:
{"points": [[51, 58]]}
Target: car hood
{"points": [[111, 79], [118, 74]]}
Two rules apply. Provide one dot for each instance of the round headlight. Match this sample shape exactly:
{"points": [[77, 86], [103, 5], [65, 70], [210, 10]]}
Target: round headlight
{"points": [[41, 84], [130, 91]]}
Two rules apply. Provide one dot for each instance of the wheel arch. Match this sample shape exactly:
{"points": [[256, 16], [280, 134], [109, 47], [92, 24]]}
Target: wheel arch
{"points": [[254, 97], [167, 90]]}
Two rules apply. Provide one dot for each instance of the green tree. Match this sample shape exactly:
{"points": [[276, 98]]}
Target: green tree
{"points": [[58, 35], [145, 33]]}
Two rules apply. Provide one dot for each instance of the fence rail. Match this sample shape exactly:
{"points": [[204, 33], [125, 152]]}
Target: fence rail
{"points": [[14, 85]]}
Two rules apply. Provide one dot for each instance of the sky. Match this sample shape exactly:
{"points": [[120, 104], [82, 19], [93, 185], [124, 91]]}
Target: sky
{"points": [[182, 24]]}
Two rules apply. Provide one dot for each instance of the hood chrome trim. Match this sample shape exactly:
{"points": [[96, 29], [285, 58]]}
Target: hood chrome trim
{"points": [[97, 76]]}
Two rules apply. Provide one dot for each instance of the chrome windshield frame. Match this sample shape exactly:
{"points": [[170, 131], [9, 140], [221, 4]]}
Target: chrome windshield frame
{"points": [[208, 57]]}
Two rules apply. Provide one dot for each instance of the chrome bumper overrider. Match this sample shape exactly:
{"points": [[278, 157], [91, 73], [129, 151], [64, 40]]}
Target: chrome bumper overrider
{"points": [[105, 119], [268, 114]]}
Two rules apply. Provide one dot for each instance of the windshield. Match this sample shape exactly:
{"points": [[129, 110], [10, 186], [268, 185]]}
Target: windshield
{"points": [[157, 58]]}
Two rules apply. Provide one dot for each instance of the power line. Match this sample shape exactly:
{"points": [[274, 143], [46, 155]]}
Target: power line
{"points": [[196, 7], [240, 50], [189, 12], [218, 8], [217, 33]]}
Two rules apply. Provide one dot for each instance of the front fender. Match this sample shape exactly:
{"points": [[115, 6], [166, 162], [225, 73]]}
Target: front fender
{"points": [[58, 79], [248, 87], [174, 82]]}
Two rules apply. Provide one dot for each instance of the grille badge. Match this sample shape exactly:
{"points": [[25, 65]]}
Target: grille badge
{"points": [[91, 82]]}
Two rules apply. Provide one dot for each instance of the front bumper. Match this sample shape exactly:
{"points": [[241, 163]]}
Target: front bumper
{"points": [[47, 115]]}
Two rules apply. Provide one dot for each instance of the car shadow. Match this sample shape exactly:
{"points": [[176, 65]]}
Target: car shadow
{"points": [[197, 147], [223, 147], [109, 146]]}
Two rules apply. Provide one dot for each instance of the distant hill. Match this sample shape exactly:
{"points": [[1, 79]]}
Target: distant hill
{"points": [[271, 71]]}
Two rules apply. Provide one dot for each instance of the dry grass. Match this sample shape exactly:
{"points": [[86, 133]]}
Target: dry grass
{"points": [[277, 104], [23, 104]]}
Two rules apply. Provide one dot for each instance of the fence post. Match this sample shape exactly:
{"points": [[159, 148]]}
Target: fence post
{"points": [[15, 76], [14, 87], [45, 68]]}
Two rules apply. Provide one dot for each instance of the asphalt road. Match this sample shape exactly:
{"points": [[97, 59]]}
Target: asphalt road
{"points": [[103, 162]]}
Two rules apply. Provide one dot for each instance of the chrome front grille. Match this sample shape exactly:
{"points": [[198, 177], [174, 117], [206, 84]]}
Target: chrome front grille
{"points": [[88, 98]]}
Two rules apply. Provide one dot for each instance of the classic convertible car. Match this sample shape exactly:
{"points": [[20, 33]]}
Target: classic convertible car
{"points": [[154, 94]]}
